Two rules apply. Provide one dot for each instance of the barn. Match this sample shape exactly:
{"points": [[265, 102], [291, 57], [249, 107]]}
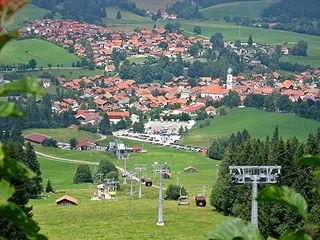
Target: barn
{"points": [[36, 138], [66, 200], [190, 169]]}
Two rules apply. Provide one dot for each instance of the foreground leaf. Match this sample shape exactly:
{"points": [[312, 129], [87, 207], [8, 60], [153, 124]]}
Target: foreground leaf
{"points": [[6, 191], [234, 229], [309, 160], [11, 168], [316, 191], [5, 38], [286, 196], [16, 215], [26, 85], [298, 235], [8, 109]]}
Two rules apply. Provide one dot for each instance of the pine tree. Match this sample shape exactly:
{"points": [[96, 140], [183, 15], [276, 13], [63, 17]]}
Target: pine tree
{"points": [[250, 41], [30, 160], [49, 187], [275, 137], [104, 125], [83, 174], [118, 15], [73, 143]]}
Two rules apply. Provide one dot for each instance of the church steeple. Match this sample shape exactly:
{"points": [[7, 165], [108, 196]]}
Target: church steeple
{"points": [[229, 78]]}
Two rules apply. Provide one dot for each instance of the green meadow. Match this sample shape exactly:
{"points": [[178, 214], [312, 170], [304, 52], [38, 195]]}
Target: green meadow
{"points": [[260, 35], [233, 9], [259, 123], [43, 52], [154, 5], [109, 219], [63, 134], [27, 14]]}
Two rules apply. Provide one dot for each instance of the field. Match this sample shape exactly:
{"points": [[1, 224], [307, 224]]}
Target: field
{"points": [[66, 73], [259, 35], [63, 134], [109, 220], [248, 9], [27, 14], [43, 52], [154, 5], [128, 22], [259, 123]]}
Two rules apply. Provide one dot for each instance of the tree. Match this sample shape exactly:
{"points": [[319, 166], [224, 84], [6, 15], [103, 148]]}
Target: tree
{"points": [[237, 43], [104, 125], [50, 143], [33, 187], [173, 192], [217, 41], [33, 63], [49, 187], [73, 143], [83, 174], [231, 100], [138, 127], [250, 41], [197, 29], [105, 167], [300, 49], [275, 137], [118, 15]]}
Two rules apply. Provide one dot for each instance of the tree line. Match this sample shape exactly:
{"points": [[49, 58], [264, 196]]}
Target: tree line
{"points": [[235, 200]]}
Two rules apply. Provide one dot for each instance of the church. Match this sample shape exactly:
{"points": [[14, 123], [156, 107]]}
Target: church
{"points": [[216, 91]]}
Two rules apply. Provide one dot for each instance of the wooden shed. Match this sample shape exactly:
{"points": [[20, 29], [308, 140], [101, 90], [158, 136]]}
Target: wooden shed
{"points": [[66, 200], [190, 169]]}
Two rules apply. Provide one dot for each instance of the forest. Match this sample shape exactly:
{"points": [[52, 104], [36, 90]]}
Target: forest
{"points": [[235, 200]]}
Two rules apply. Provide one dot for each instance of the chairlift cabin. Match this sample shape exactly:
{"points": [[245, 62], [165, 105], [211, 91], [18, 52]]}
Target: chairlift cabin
{"points": [[184, 201], [200, 200], [148, 182]]}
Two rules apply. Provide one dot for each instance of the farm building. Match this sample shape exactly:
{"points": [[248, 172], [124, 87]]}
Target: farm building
{"points": [[85, 144], [66, 200], [190, 169], [36, 138], [117, 116]]}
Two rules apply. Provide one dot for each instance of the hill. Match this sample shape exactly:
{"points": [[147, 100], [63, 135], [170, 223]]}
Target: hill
{"points": [[62, 134], [26, 15], [234, 9], [294, 9], [263, 36], [154, 5], [43, 52], [259, 123]]}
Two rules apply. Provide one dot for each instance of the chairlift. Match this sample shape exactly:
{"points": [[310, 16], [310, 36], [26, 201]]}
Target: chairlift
{"points": [[183, 200], [200, 200], [148, 182]]}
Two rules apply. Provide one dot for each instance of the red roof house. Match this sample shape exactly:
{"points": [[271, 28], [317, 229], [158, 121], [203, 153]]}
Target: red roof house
{"points": [[36, 138]]}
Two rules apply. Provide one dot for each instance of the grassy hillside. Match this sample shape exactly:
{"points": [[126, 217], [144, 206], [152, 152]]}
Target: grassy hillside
{"points": [[264, 36], [178, 160], [128, 22], [154, 5], [26, 15], [248, 9], [62, 134], [43, 52], [109, 220], [259, 123]]}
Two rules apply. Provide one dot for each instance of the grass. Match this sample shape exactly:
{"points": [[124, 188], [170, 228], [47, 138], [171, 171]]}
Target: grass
{"points": [[63, 134], [27, 14], [128, 22], [43, 52], [154, 5], [109, 220], [68, 74], [260, 35], [233, 9], [178, 160], [259, 123]]}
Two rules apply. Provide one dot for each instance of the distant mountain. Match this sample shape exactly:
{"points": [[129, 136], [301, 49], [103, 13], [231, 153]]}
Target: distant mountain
{"points": [[294, 9], [85, 10]]}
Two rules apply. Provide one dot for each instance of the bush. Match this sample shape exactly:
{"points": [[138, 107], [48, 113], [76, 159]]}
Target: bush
{"points": [[50, 143], [173, 192]]}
